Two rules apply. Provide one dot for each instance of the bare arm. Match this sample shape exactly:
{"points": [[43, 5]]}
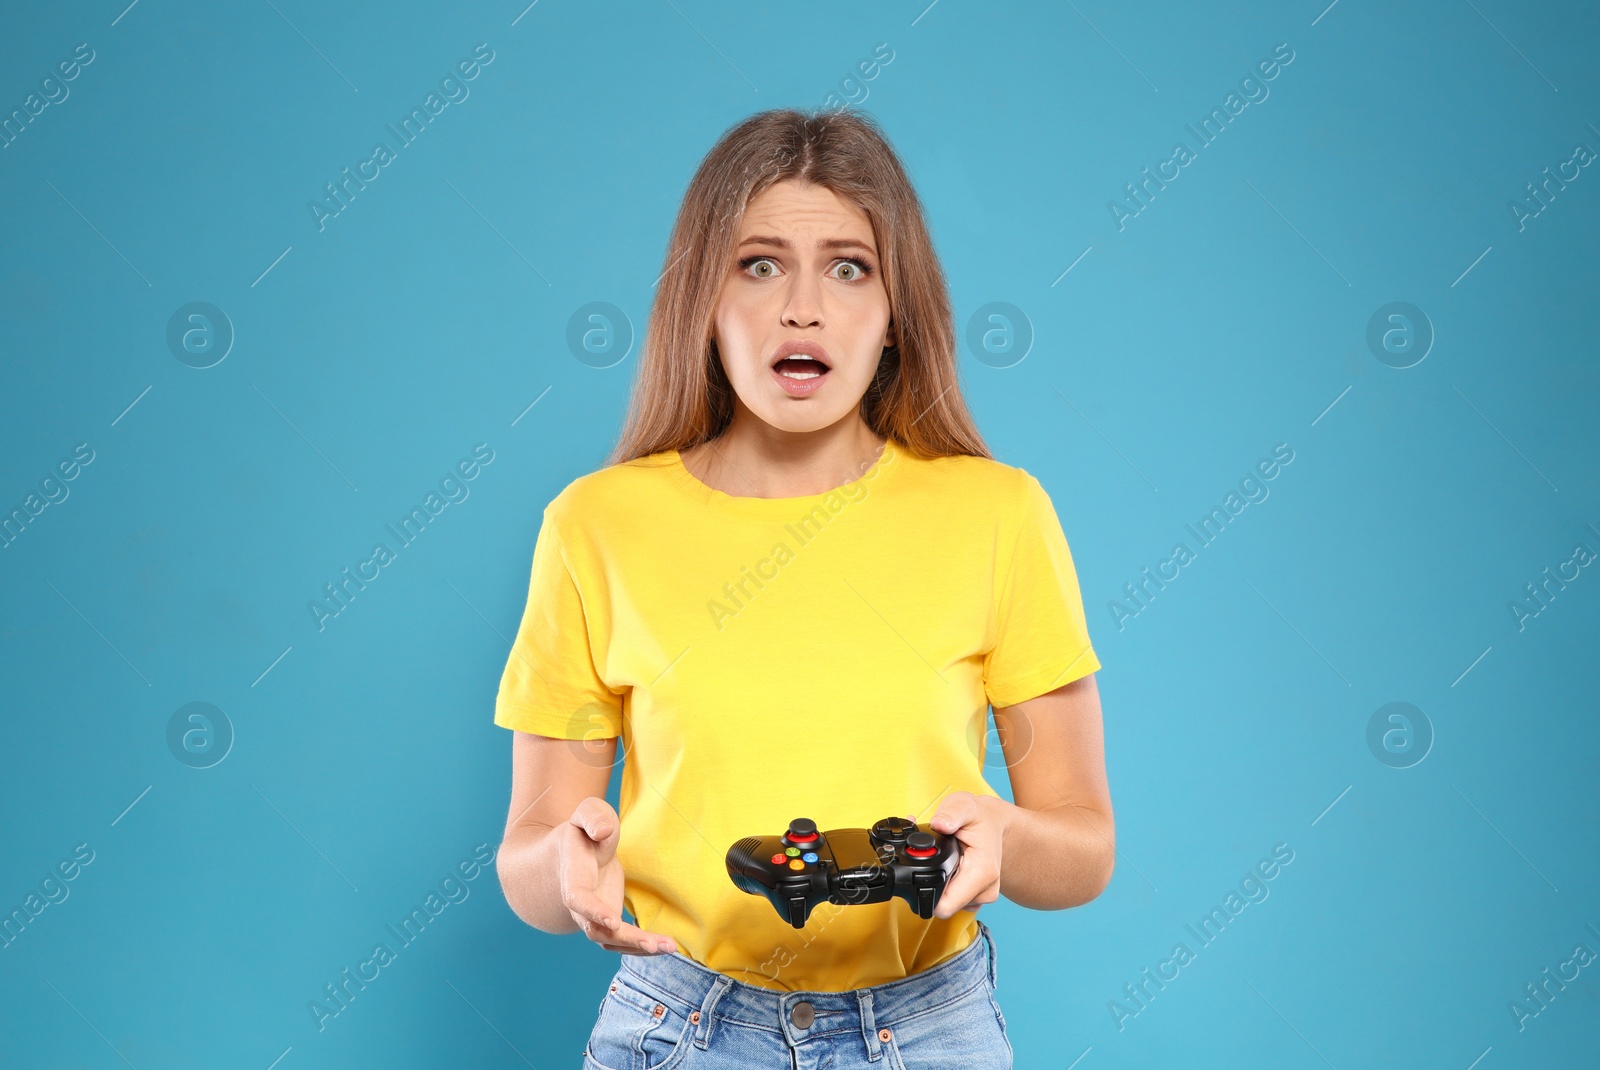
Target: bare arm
{"points": [[557, 862], [549, 778], [1059, 843]]}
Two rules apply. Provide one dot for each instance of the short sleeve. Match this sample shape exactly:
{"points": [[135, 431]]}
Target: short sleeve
{"points": [[550, 686], [1043, 638]]}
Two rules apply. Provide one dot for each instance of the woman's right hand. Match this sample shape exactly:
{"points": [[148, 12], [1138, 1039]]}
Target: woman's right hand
{"points": [[591, 881]]}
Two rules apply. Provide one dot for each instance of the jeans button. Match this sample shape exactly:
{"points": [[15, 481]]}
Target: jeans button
{"points": [[802, 1014]]}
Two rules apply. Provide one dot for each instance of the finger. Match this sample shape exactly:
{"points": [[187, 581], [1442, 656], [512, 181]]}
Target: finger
{"points": [[581, 860], [954, 893], [630, 949], [655, 944], [951, 912], [625, 934], [595, 930], [581, 896], [597, 826], [970, 880], [947, 907], [648, 947], [595, 818], [585, 902], [957, 810]]}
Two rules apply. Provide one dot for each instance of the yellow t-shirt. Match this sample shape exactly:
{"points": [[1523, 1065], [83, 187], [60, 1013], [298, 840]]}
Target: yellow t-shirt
{"points": [[830, 656]]}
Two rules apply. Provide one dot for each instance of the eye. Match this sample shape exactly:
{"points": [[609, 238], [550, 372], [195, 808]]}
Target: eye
{"points": [[750, 261], [859, 269]]}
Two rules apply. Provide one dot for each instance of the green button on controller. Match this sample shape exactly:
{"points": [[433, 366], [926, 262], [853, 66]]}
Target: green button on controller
{"points": [[792, 852]]}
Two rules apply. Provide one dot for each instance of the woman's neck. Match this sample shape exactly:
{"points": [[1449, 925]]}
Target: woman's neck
{"points": [[771, 463]]}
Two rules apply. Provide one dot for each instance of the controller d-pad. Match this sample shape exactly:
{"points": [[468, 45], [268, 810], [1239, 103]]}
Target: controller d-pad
{"points": [[893, 829]]}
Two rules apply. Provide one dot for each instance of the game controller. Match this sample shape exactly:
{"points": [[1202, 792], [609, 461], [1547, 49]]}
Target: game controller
{"points": [[896, 858]]}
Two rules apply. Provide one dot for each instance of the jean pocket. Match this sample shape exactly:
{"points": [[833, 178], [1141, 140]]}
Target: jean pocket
{"points": [[636, 1030], [967, 1034]]}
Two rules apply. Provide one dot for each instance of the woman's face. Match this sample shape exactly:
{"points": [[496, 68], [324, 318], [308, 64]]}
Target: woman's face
{"points": [[805, 269]]}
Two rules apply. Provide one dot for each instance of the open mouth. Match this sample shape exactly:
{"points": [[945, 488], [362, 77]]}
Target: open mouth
{"points": [[800, 368]]}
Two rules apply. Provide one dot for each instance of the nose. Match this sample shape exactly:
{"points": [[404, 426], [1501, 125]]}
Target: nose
{"points": [[803, 307]]}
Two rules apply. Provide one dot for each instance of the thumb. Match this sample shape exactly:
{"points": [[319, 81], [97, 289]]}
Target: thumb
{"points": [[952, 814], [600, 826]]}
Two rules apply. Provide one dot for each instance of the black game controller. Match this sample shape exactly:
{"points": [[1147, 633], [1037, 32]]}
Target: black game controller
{"points": [[896, 858]]}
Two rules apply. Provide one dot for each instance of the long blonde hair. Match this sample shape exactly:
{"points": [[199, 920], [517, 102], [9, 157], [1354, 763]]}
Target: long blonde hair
{"points": [[681, 394]]}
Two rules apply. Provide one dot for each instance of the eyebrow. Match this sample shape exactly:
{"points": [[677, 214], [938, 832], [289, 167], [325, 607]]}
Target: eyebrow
{"points": [[827, 243]]}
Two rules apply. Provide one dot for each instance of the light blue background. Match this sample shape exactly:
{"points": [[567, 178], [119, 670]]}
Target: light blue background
{"points": [[1229, 316]]}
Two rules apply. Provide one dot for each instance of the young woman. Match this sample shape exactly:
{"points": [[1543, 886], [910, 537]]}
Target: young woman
{"points": [[795, 591]]}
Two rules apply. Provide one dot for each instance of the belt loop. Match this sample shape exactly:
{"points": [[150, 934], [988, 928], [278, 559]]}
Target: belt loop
{"points": [[869, 1026], [702, 1030], [994, 969]]}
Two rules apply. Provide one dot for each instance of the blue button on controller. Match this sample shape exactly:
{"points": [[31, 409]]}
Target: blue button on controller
{"points": [[810, 856]]}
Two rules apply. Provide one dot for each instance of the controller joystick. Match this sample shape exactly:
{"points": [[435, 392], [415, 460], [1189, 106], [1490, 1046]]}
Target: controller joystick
{"points": [[895, 859], [802, 832]]}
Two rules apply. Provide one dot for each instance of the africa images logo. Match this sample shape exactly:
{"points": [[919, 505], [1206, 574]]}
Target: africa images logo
{"points": [[804, 530]]}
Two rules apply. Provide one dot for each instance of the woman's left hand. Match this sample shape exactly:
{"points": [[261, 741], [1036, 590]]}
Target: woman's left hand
{"points": [[979, 824]]}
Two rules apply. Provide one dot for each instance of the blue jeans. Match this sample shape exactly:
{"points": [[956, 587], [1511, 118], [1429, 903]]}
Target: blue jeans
{"points": [[665, 1012]]}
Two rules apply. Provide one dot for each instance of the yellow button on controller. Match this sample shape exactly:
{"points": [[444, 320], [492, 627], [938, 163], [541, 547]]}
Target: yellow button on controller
{"points": [[795, 863]]}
